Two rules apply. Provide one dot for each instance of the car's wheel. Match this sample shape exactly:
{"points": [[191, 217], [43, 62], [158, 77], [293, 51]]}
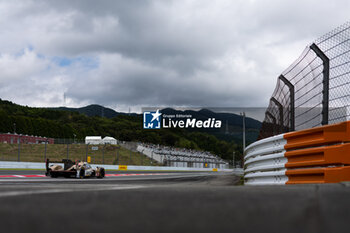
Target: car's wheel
{"points": [[82, 173], [102, 173], [53, 175]]}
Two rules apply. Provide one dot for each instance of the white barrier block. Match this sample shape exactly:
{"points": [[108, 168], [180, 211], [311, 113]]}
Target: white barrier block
{"points": [[265, 162]]}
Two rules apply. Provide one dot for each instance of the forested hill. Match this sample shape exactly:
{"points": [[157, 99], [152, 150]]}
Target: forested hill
{"points": [[94, 110], [58, 123]]}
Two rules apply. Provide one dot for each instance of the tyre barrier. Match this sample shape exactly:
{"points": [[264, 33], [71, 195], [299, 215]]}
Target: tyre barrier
{"points": [[317, 155]]}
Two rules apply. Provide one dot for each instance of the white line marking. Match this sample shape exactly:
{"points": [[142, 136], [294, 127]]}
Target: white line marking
{"points": [[106, 179], [48, 191]]}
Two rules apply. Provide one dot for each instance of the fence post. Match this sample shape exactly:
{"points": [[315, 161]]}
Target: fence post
{"points": [[325, 92], [280, 109], [271, 116], [103, 153], [292, 101], [233, 160], [267, 113], [152, 157], [45, 150], [117, 153], [130, 158], [67, 150], [86, 152], [19, 148]]}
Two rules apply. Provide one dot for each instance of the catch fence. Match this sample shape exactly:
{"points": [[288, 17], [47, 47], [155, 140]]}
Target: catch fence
{"points": [[314, 90]]}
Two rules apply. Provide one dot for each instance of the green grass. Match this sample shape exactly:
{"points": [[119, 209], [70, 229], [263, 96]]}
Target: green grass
{"points": [[109, 154]]}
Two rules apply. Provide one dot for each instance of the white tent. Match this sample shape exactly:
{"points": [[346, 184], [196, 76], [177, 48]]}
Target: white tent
{"points": [[109, 140], [93, 140]]}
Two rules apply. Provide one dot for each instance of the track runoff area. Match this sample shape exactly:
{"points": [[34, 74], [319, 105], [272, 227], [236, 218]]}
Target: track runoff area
{"points": [[167, 202]]}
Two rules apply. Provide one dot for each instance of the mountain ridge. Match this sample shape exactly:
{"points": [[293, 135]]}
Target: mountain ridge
{"points": [[231, 118], [60, 123]]}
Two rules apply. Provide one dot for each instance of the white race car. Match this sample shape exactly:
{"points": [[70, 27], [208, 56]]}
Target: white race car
{"points": [[79, 169]]}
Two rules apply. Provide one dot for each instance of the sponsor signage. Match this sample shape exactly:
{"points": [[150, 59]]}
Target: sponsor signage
{"points": [[123, 167]]}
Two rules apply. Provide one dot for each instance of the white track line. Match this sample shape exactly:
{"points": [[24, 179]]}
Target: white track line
{"points": [[48, 191], [107, 175], [106, 179]]}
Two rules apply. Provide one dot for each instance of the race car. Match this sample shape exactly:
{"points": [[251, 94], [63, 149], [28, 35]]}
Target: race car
{"points": [[78, 169]]}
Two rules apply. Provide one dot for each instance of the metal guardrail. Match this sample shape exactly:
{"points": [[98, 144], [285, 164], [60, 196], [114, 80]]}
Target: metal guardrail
{"points": [[317, 155], [264, 161]]}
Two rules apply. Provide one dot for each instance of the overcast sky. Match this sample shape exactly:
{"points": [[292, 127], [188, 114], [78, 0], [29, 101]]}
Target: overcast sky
{"points": [[155, 53]]}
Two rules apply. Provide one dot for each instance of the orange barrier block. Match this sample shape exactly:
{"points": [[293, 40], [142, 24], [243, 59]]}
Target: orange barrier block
{"points": [[324, 135], [318, 175], [319, 156]]}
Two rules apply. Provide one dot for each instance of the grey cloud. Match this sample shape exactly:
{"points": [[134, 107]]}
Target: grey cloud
{"points": [[138, 84], [205, 53]]}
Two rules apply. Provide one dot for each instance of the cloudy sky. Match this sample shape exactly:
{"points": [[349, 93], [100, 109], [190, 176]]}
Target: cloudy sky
{"points": [[154, 53]]}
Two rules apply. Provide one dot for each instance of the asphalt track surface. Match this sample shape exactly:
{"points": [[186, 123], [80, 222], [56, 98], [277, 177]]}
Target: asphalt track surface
{"points": [[38, 171], [170, 202]]}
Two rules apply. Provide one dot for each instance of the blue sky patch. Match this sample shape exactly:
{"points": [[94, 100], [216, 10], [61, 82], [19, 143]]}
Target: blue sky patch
{"points": [[87, 62]]}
